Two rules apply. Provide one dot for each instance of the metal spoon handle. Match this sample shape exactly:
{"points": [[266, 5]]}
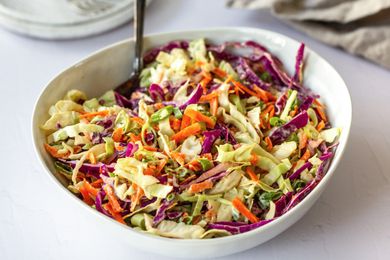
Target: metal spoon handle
{"points": [[139, 9]]}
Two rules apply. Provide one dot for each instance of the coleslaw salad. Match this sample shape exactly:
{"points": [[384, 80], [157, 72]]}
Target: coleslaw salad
{"points": [[211, 144]]}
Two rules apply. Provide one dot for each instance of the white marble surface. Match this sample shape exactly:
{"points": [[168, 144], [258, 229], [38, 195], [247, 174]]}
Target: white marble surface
{"points": [[37, 221]]}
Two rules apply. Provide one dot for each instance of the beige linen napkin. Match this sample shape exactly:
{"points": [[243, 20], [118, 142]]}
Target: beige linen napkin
{"points": [[361, 27]]}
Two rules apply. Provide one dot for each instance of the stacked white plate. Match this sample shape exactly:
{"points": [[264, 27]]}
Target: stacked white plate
{"points": [[64, 19]]}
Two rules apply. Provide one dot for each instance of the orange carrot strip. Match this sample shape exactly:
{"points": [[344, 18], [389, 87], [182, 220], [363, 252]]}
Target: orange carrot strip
{"points": [[267, 95], [117, 134], [93, 114], [267, 110], [252, 174], [302, 141], [247, 90], [97, 184], [306, 155], [91, 190], [199, 187], [151, 170], [136, 197], [272, 112], [321, 125], [194, 165], [178, 157], [199, 63], [254, 159], [114, 214], [262, 93], [193, 129], [318, 103], [150, 148], [199, 117], [134, 138], [321, 112], [209, 97], [269, 143], [54, 152], [86, 198], [185, 122], [244, 210], [176, 123], [220, 73], [214, 106], [112, 199], [160, 166], [158, 105], [138, 120]]}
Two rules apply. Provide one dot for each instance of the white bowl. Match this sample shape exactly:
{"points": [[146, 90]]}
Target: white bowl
{"points": [[107, 68]]}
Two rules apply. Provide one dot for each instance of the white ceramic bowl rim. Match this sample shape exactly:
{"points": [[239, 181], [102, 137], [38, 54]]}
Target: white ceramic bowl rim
{"points": [[330, 171]]}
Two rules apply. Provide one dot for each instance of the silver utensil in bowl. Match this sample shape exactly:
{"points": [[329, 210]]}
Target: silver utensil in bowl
{"points": [[127, 88]]}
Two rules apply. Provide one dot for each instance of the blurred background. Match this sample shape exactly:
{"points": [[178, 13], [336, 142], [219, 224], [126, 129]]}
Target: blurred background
{"points": [[349, 221]]}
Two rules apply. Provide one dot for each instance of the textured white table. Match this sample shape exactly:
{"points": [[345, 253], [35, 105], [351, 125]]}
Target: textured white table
{"points": [[37, 221]]}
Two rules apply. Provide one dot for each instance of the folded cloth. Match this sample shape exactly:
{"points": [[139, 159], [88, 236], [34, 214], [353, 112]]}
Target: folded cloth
{"points": [[361, 27]]}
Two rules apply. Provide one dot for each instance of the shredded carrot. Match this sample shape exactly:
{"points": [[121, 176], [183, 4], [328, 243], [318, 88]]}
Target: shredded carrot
{"points": [[247, 90], [209, 97], [97, 184], [175, 124], [193, 129], [93, 114], [160, 166], [269, 143], [54, 152], [320, 126], [199, 187], [267, 110], [151, 170], [265, 94], [294, 111], [261, 93], [86, 198], [76, 149], [254, 159], [220, 73], [91, 190], [114, 214], [199, 117], [150, 148], [194, 165], [272, 112], [252, 174], [306, 155], [318, 103], [302, 141], [158, 105], [321, 112], [134, 138], [199, 63], [204, 83], [178, 157], [185, 122], [136, 197], [112, 199], [210, 214], [244, 210], [117, 134], [138, 120]]}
